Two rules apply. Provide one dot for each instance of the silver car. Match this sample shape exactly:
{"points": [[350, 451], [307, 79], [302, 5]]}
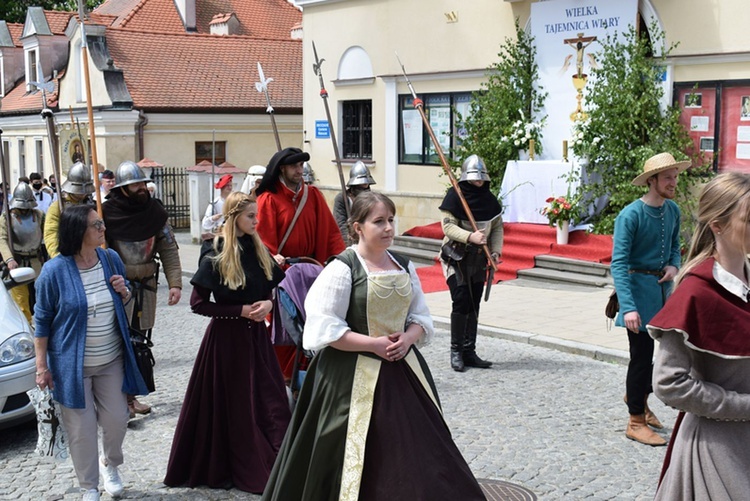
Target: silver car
{"points": [[17, 362]]}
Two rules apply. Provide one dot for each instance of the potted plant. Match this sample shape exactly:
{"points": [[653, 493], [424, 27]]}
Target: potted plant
{"points": [[559, 212]]}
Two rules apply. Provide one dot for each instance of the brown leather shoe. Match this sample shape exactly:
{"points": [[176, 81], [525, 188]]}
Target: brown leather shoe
{"points": [[651, 418], [131, 410], [639, 431], [138, 407]]}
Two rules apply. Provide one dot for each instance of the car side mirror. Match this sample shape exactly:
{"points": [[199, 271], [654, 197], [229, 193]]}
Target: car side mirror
{"points": [[19, 276]]}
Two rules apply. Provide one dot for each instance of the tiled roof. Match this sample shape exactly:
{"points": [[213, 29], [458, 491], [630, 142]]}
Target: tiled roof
{"points": [[58, 20], [258, 18], [16, 30], [206, 72], [18, 101]]}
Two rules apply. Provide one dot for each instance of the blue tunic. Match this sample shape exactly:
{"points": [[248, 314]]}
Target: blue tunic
{"points": [[646, 238]]}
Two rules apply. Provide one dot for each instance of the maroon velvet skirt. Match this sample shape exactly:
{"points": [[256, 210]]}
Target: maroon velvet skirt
{"points": [[235, 411]]}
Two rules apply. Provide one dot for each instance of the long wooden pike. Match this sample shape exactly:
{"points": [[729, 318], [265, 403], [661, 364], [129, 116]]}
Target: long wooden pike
{"points": [[90, 109], [49, 119], [419, 105], [262, 86], [324, 94]]}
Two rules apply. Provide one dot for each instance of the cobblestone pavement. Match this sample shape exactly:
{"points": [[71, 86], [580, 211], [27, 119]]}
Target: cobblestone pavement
{"points": [[550, 421]]}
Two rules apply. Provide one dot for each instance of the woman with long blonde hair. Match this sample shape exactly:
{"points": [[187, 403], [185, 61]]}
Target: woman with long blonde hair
{"points": [[703, 363], [236, 410]]}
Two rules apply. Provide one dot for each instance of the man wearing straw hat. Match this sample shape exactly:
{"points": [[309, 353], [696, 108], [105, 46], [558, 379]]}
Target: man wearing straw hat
{"points": [[645, 260]]}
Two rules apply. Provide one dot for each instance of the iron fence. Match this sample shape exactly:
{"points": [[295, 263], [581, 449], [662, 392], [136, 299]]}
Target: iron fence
{"points": [[173, 190]]}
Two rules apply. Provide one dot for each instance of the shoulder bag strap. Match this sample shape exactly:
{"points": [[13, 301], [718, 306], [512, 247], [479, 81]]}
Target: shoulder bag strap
{"points": [[294, 219]]}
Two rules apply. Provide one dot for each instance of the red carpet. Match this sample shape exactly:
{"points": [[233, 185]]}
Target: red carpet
{"points": [[522, 242]]}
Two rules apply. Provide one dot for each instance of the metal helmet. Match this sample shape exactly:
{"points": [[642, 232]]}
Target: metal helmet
{"points": [[359, 174], [23, 197], [79, 180], [129, 173], [308, 176], [473, 169]]}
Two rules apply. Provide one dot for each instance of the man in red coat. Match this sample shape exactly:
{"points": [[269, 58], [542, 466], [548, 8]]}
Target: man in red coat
{"points": [[294, 221], [282, 195]]}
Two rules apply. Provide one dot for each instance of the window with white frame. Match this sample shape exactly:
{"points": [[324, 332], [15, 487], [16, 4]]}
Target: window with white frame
{"points": [[415, 144], [39, 149], [21, 157], [32, 68]]}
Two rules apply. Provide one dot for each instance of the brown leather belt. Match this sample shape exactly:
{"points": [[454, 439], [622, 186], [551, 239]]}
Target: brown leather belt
{"points": [[656, 273]]}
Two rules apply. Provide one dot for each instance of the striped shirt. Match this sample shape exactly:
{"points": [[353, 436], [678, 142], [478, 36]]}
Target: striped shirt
{"points": [[103, 343]]}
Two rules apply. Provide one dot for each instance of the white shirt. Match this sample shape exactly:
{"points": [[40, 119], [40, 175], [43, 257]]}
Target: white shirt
{"points": [[103, 343], [43, 200], [208, 224], [327, 303]]}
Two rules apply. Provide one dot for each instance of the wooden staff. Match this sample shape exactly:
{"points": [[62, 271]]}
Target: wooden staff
{"points": [[90, 108], [262, 86], [49, 118], [324, 95], [419, 105]]}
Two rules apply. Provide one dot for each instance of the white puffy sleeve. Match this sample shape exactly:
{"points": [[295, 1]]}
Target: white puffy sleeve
{"points": [[326, 306], [418, 311]]}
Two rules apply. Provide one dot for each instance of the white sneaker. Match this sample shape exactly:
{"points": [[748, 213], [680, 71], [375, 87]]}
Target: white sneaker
{"points": [[112, 481], [91, 495]]}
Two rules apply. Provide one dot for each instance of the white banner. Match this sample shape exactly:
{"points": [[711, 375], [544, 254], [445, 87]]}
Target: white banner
{"points": [[567, 36]]}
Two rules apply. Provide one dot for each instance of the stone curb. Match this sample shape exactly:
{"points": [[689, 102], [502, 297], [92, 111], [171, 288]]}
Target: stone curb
{"points": [[587, 350]]}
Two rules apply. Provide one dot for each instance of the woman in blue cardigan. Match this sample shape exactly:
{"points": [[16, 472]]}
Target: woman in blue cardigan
{"points": [[83, 350]]}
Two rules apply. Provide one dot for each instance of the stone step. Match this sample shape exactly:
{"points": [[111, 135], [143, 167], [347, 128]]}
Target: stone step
{"points": [[572, 265], [417, 256], [557, 276], [418, 243]]}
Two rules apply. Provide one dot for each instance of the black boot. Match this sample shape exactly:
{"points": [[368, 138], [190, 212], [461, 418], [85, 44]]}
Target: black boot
{"points": [[458, 330], [471, 359]]}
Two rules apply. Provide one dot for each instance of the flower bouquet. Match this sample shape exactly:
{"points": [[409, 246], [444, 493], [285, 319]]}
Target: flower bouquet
{"points": [[559, 210], [519, 134]]}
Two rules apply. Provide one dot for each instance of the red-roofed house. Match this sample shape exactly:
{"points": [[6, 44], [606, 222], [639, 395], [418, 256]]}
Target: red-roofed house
{"points": [[167, 77]]}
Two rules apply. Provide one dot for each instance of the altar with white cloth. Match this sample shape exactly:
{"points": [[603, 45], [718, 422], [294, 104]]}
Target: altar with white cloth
{"points": [[527, 184]]}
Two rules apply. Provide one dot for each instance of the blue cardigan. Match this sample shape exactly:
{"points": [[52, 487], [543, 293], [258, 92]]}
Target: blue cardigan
{"points": [[61, 313], [643, 242]]}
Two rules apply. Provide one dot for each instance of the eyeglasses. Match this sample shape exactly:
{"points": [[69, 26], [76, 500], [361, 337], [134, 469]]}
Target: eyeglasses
{"points": [[98, 224]]}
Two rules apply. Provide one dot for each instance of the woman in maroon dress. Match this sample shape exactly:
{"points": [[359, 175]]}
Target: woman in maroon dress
{"points": [[236, 410]]}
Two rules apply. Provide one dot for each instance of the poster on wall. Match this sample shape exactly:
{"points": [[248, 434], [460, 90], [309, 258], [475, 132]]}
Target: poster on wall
{"points": [[698, 116], [734, 153], [567, 36]]}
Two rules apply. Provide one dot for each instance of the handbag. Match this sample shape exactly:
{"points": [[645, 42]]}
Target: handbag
{"points": [[141, 342], [144, 357], [453, 251], [613, 306], [53, 439]]}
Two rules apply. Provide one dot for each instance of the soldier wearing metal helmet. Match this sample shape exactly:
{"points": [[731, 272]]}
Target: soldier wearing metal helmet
{"points": [[360, 180], [138, 229], [76, 190], [308, 175], [463, 258], [24, 245]]}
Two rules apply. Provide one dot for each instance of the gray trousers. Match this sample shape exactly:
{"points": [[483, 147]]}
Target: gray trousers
{"points": [[106, 406]]}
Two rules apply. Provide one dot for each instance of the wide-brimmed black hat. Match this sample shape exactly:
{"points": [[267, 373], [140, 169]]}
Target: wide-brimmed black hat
{"points": [[287, 156]]}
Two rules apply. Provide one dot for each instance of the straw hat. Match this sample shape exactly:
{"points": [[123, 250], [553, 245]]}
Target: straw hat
{"points": [[659, 163]]}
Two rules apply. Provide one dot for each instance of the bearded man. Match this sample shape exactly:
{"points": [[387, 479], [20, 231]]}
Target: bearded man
{"points": [[138, 229], [645, 260]]}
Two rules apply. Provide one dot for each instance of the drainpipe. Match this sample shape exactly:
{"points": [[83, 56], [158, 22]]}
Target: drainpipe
{"points": [[139, 125]]}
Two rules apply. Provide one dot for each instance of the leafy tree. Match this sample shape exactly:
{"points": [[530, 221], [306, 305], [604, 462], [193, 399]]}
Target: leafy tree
{"points": [[509, 95], [14, 11], [627, 125]]}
